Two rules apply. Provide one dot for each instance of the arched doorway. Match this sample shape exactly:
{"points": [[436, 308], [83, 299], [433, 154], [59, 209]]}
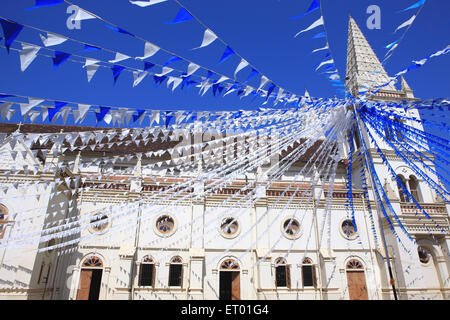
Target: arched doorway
{"points": [[356, 280], [230, 282], [90, 279]]}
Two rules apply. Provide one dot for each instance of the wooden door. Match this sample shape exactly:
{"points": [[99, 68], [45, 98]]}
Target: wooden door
{"points": [[235, 285], [357, 289], [85, 284]]}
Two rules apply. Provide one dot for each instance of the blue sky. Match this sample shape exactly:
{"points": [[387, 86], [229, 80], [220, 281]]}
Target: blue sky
{"points": [[260, 31]]}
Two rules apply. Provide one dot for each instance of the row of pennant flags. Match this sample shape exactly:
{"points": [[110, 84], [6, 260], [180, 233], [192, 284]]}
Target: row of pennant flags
{"points": [[407, 24], [220, 84], [148, 203], [327, 64]]}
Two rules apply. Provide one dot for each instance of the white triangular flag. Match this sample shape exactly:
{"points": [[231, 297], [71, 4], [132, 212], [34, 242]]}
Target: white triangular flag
{"points": [[138, 77], [165, 70], [331, 61], [149, 50], [208, 38], [264, 80], [317, 23], [241, 66], [25, 107], [144, 4], [192, 68], [320, 49], [4, 109], [154, 117], [82, 111], [119, 57], [27, 55], [91, 70], [175, 80], [52, 39], [83, 15], [406, 23], [222, 79], [90, 62]]}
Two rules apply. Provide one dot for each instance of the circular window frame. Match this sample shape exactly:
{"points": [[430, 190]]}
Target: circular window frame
{"points": [[231, 236], [286, 235], [102, 231], [170, 233], [343, 234]]}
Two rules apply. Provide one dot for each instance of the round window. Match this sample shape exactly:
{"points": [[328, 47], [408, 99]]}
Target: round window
{"points": [[348, 228], [291, 228], [229, 227], [99, 223], [165, 225]]}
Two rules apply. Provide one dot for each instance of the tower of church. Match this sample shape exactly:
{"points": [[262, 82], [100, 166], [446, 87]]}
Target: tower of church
{"points": [[366, 74]]}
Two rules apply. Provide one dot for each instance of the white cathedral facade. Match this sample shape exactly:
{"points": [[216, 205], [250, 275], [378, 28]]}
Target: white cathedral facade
{"points": [[183, 251]]}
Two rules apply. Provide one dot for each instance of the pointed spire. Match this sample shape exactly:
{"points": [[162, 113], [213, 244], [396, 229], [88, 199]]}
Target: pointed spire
{"points": [[406, 88], [307, 96], [364, 70]]}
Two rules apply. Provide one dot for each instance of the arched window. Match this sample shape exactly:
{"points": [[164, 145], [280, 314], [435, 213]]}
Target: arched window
{"points": [[229, 264], [3, 220], [354, 265], [414, 188], [403, 195], [92, 262], [282, 273], [176, 272], [308, 273], [147, 272]]}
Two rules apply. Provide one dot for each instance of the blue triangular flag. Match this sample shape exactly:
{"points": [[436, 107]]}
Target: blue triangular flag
{"points": [[210, 74], [116, 72], [138, 115], [416, 5], [226, 54], [148, 65], [319, 35], [10, 30], [314, 6], [159, 79], [182, 16], [88, 47], [120, 30], [53, 111], [172, 59], [272, 87], [45, 3], [251, 75], [59, 58], [100, 115]]}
